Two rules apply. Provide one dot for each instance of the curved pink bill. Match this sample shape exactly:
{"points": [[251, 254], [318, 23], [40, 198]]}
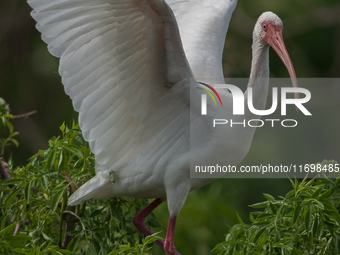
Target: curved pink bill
{"points": [[275, 40]]}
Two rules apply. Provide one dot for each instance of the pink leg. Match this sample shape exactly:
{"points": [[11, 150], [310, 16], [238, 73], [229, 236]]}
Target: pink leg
{"points": [[169, 239], [138, 221]]}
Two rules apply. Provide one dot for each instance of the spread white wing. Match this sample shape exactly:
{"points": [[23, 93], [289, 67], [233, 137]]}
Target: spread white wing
{"points": [[203, 25], [123, 65]]}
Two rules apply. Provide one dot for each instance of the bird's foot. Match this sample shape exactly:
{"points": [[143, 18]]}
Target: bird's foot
{"points": [[169, 248]]}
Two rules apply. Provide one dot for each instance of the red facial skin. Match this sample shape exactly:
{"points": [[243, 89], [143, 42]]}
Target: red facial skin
{"points": [[272, 35]]}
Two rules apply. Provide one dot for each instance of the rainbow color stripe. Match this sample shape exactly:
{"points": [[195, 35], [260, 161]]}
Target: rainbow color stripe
{"points": [[208, 92]]}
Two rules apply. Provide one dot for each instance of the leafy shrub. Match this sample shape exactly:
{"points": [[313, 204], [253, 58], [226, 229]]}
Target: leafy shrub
{"points": [[35, 217], [305, 221]]}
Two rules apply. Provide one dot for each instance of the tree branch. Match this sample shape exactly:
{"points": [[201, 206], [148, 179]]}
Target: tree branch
{"points": [[69, 218], [25, 115]]}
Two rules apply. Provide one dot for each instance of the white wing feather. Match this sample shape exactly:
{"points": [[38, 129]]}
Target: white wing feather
{"points": [[121, 62], [203, 25], [123, 65]]}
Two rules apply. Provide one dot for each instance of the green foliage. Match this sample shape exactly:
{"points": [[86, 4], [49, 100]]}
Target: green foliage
{"points": [[35, 217], [137, 249], [6, 128], [305, 221]]}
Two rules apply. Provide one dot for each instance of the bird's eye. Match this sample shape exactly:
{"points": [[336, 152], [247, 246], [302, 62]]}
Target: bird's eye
{"points": [[264, 27]]}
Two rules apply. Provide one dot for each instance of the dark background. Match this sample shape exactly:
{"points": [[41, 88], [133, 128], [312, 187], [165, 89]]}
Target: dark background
{"points": [[29, 81]]}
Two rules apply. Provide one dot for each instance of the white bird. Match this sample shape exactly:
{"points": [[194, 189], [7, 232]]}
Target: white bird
{"points": [[128, 68]]}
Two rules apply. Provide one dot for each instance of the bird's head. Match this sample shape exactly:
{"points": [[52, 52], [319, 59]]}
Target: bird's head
{"points": [[268, 29], [267, 25]]}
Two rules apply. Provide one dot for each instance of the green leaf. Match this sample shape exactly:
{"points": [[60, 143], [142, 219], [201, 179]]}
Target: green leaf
{"points": [[3, 220], [3, 106], [151, 238], [46, 237], [269, 197], [297, 210], [290, 193], [251, 217], [7, 230], [328, 205], [296, 185], [9, 124], [296, 251], [119, 213], [18, 238], [292, 182], [259, 233], [79, 163], [260, 205], [56, 198], [62, 162], [66, 252], [11, 197], [96, 212], [13, 134], [72, 149], [295, 199], [73, 243], [45, 181], [315, 225], [100, 229], [14, 141], [14, 181], [51, 159], [307, 221], [313, 201], [317, 191], [28, 192], [12, 242], [239, 218], [272, 207], [20, 251], [328, 192], [62, 127], [96, 245], [112, 225]]}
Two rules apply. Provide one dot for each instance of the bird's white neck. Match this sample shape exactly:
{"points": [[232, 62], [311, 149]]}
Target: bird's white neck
{"points": [[260, 61], [259, 74], [259, 82]]}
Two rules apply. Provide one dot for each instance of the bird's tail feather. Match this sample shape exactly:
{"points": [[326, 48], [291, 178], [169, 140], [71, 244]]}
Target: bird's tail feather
{"points": [[99, 187]]}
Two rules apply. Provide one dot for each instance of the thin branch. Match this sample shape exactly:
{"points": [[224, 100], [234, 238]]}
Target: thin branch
{"points": [[73, 187], [17, 228], [69, 218], [25, 115]]}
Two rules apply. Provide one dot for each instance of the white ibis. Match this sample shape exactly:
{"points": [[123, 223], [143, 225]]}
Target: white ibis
{"points": [[123, 65]]}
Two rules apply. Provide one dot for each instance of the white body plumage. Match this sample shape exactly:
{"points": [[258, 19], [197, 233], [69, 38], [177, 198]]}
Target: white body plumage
{"points": [[129, 67]]}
